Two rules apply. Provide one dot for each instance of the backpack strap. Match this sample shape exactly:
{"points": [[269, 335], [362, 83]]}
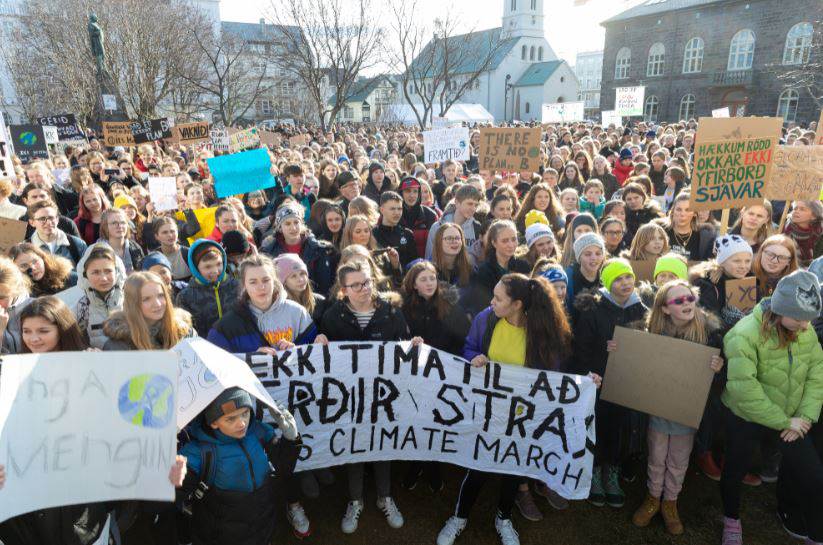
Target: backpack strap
{"points": [[208, 453]]}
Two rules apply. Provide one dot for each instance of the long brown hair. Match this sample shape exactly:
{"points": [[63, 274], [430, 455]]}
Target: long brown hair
{"points": [[765, 230], [660, 323], [169, 333], [644, 235], [772, 324], [462, 263], [553, 212], [258, 260], [412, 302], [54, 311], [548, 334], [774, 240], [56, 269]]}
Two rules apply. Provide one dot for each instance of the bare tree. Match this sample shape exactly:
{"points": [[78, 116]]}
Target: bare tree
{"points": [[807, 76], [435, 73], [232, 76], [326, 47], [52, 66]]}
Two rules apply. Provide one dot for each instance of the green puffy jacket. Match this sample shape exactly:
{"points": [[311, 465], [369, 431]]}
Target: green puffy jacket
{"points": [[768, 385]]}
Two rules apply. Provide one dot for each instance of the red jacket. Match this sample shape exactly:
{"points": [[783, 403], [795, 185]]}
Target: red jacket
{"points": [[622, 173]]}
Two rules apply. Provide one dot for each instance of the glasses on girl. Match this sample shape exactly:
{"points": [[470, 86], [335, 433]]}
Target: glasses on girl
{"points": [[682, 300]]}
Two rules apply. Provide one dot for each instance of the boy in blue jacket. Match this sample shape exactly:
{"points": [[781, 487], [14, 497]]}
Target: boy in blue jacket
{"points": [[228, 485], [211, 291]]}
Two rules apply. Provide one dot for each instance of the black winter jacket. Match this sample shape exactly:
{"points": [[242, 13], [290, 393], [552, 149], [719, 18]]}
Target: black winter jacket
{"points": [[399, 238], [447, 333], [485, 278], [387, 324], [319, 256]]}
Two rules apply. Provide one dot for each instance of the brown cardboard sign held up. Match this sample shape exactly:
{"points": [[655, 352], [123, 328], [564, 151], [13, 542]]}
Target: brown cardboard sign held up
{"points": [[117, 133], [674, 384], [797, 174], [644, 269], [516, 149], [741, 293], [11, 233], [733, 160]]}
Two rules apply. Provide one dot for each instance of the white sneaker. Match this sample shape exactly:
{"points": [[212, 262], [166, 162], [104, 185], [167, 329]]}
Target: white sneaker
{"points": [[352, 517], [505, 529], [389, 508], [453, 528], [298, 520]]}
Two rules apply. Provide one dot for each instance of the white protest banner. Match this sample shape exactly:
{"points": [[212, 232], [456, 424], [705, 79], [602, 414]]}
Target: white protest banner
{"points": [[109, 102], [204, 372], [6, 166], [163, 192], [562, 112], [629, 100], [74, 428], [363, 402], [721, 112], [50, 132], [219, 139], [440, 122], [445, 144], [610, 117]]}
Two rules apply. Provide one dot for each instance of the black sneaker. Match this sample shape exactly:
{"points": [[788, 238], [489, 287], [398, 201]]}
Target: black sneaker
{"points": [[794, 524], [412, 475]]}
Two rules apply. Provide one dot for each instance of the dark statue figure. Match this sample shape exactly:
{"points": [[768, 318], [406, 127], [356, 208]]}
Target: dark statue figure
{"points": [[98, 50]]}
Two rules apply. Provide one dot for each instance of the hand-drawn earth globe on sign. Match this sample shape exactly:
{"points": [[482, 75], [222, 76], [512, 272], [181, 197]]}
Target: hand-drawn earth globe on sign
{"points": [[147, 401], [28, 138], [534, 151]]}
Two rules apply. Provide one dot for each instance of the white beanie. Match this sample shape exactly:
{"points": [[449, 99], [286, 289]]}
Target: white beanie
{"points": [[728, 245], [536, 231]]}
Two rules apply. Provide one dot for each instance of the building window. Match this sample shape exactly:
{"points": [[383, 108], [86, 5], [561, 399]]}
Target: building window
{"points": [[622, 64], [540, 53], [787, 105], [798, 44], [523, 52], [687, 107], [528, 107], [693, 56], [265, 107], [531, 53], [651, 110], [534, 5], [477, 83], [741, 51], [657, 58], [348, 112], [514, 5]]}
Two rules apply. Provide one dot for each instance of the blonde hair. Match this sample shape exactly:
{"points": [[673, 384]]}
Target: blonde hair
{"points": [[169, 332], [660, 323], [348, 229], [6, 188], [258, 261], [644, 235], [364, 206], [13, 279]]}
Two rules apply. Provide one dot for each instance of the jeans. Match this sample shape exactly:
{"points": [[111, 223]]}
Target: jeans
{"points": [[382, 478]]}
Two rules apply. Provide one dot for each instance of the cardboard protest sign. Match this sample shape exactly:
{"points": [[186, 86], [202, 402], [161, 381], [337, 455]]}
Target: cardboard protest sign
{"points": [[721, 112], [610, 117], [271, 139], [68, 130], [674, 387], [442, 144], [514, 148], [243, 140], [191, 133], [241, 172], [299, 141], [732, 161], [741, 293], [76, 429], [204, 371], [50, 134], [628, 101], [29, 142], [797, 173], [363, 402], [644, 269], [205, 217], [163, 192], [150, 130], [11, 232], [562, 112], [6, 165], [219, 139], [117, 133]]}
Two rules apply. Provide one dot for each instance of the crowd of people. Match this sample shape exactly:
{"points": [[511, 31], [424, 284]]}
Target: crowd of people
{"points": [[360, 240]]}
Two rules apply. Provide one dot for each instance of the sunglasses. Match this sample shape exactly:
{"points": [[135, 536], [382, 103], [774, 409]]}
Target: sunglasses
{"points": [[682, 300]]}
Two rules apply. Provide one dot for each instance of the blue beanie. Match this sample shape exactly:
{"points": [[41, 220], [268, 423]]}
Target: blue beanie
{"points": [[555, 275], [626, 153], [155, 258]]}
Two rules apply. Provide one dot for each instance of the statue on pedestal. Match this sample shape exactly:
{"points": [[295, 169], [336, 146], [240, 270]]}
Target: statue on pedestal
{"points": [[98, 50]]}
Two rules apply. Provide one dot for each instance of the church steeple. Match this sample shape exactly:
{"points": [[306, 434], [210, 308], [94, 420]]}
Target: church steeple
{"points": [[522, 18]]}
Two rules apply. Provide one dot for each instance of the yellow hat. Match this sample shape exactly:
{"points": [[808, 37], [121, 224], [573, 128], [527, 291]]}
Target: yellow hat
{"points": [[122, 200], [536, 216]]}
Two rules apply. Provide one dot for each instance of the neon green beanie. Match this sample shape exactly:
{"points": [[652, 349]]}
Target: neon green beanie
{"points": [[613, 270], [672, 264]]}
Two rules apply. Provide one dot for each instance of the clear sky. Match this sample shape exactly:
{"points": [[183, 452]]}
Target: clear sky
{"points": [[571, 25]]}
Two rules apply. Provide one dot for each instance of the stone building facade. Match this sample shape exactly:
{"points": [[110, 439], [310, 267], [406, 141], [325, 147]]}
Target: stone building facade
{"points": [[694, 56]]}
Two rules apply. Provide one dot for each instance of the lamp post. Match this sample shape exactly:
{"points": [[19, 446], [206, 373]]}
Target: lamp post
{"points": [[506, 96]]}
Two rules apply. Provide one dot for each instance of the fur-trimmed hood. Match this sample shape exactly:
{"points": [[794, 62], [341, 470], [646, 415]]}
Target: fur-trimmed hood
{"points": [[117, 328]]}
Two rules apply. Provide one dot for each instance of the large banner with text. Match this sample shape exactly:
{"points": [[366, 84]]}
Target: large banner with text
{"points": [[362, 402]]}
